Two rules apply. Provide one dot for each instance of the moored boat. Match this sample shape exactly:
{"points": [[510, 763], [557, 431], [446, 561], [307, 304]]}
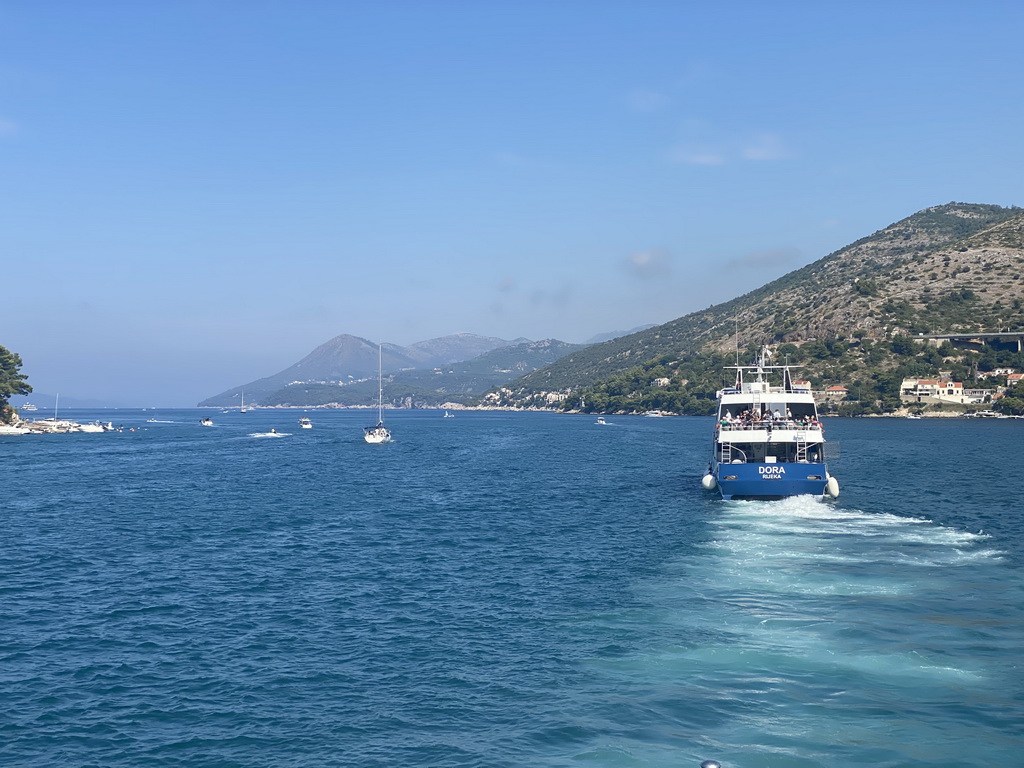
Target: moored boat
{"points": [[984, 415], [768, 442]]}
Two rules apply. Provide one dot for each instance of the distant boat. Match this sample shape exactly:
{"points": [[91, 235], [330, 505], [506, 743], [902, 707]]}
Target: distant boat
{"points": [[913, 416], [449, 415], [984, 415], [28, 407], [600, 420], [206, 421], [305, 423], [379, 433], [242, 409]]}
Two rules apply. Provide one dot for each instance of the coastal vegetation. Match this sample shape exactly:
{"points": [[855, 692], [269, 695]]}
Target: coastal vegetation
{"points": [[12, 382], [872, 372], [1012, 403]]}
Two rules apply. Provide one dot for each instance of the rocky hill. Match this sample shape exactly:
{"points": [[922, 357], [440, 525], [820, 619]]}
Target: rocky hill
{"points": [[954, 267], [346, 359], [852, 318]]}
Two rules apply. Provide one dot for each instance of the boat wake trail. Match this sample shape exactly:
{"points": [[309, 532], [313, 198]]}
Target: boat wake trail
{"points": [[835, 636]]}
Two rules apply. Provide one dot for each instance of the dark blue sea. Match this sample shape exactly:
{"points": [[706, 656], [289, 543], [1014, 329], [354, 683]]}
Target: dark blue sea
{"points": [[505, 590]]}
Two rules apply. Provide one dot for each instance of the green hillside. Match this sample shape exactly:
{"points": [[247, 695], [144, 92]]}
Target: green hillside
{"points": [[847, 317]]}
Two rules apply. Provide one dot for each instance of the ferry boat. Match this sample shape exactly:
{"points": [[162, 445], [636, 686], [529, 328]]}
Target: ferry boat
{"points": [[768, 442]]}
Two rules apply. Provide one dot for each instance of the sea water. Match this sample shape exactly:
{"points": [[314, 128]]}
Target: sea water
{"points": [[504, 589]]}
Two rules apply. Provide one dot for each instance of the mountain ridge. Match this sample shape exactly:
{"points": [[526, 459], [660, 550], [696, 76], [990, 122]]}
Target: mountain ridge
{"points": [[345, 358], [458, 383]]}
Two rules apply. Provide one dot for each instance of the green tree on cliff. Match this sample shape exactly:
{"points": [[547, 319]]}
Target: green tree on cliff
{"points": [[12, 382]]}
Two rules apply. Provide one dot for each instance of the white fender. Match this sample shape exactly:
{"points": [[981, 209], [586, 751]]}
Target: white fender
{"points": [[708, 482], [832, 487]]}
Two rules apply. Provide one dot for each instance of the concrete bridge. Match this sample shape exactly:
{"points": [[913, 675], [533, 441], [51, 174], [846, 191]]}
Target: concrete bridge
{"points": [[1002, 340]]}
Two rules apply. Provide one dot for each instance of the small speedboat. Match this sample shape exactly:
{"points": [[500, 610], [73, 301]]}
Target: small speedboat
{"points": [[600, 420], [305, 423], [206, 421], [272, 433]]}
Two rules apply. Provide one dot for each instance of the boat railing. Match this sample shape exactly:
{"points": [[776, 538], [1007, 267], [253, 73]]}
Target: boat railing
{"points": [[739, 426], [730, 454]]}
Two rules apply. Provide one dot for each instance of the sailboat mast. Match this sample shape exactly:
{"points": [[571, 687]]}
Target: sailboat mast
{"points": [[380, 383]]}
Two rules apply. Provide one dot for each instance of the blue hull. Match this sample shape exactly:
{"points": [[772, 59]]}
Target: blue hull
{"points": [[770, 481]]}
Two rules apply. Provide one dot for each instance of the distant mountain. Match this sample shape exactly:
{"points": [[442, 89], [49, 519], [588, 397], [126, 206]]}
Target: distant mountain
{"points": [[457, 347], [453, 382], [954, 267], [346, 358]]}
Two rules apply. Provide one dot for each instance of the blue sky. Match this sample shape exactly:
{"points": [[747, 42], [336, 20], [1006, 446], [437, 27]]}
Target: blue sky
{"points": [[196, 194]]}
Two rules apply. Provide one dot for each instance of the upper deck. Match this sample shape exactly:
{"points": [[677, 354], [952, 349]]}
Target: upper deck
{"points": [[764, 391]]}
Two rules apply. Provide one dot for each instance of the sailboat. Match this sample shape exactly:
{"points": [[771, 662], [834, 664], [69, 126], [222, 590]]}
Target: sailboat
{"points": [[242, 409], [379, 433]]}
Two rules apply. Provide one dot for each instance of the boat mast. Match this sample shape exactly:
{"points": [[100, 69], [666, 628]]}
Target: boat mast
{"points": [[380, 384]]}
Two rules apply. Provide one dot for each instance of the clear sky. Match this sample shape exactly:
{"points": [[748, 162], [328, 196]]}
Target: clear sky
{"points": [[195, 194]]}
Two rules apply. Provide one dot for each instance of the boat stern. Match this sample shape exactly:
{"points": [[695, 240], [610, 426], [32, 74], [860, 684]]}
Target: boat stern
{"points": [[771, 481]]}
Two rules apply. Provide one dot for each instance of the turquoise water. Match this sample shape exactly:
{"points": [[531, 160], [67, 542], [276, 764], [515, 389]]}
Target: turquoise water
{"points": [[505, 590]]}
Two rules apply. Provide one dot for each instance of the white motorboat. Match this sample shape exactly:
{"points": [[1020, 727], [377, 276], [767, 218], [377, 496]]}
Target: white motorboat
{"points": [[206, 421], [305, 423]]}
